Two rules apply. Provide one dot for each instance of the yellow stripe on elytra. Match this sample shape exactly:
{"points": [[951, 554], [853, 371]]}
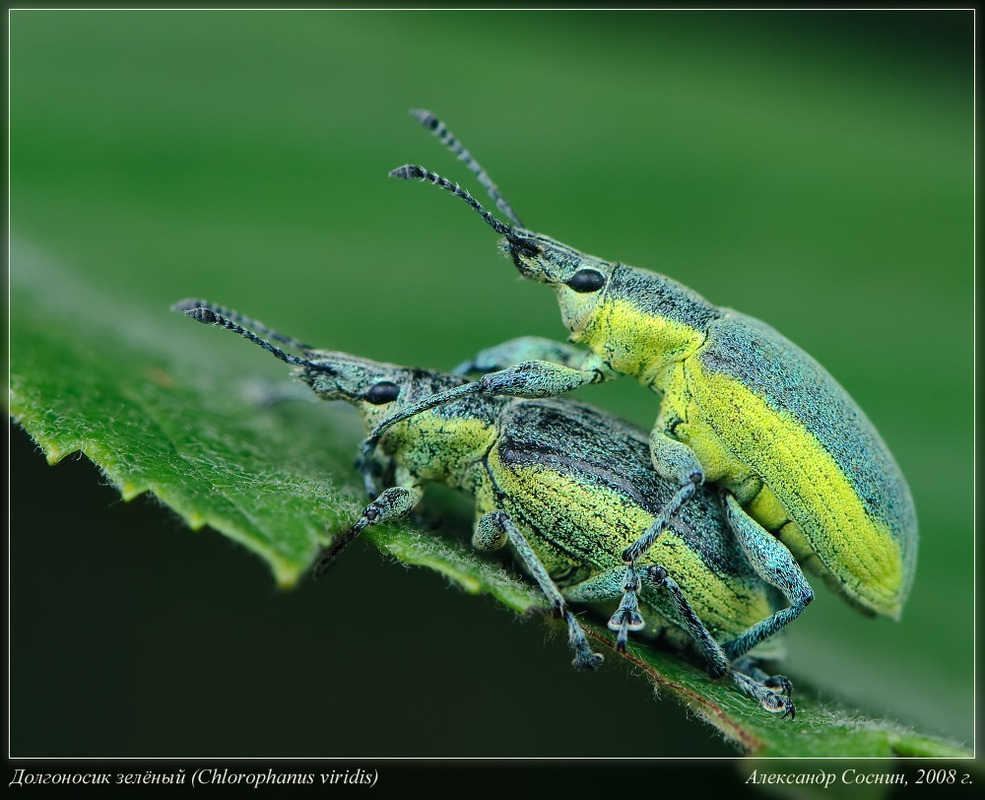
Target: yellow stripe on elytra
{"points": [[856, 550], [601, 523]]}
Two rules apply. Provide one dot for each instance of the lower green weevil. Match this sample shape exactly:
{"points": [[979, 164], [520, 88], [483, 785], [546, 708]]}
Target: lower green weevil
{"points": [[804, 471], [568, 487]]}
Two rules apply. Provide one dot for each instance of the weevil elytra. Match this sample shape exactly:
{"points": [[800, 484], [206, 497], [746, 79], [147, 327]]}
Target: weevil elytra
{"points": [[741, 407], [568, 487]]}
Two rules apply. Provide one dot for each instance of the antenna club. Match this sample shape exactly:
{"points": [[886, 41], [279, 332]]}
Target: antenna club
{"points": [[188, 303], [204, 315], [426, 118], [409, 172]]}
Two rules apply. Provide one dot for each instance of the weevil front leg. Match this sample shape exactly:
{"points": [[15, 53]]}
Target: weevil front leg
{"points": [[392, 504], [492, 531], [528, 379], [523, 348], [775, 564]]}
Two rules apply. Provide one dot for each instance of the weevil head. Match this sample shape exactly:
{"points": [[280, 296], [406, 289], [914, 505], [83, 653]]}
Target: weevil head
{"points": [[376, 389], [579, 280], [340, 376]]}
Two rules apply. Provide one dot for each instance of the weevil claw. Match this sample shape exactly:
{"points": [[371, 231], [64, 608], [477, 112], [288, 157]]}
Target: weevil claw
{"points": [[587, 661], [781, 683], [775, 703]]}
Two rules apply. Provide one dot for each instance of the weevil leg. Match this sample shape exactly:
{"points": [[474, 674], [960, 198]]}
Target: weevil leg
{"points": [[496, 527], [638, 549], [627, 617], [676, 461], [529, 379], [711, 650], [524, 348], [376, 469], [776, 702], [535, 379], [619, 582], [715, 656], [748, 666], [766, 690], [393, 503], [774, 563]]}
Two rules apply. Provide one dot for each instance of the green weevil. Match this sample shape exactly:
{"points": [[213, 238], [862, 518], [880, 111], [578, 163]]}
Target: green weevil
{"points": [[568, 486], [741, 407]]}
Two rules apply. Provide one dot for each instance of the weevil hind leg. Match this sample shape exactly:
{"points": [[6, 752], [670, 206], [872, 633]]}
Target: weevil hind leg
{"points": [[775, 564], [744, 674], [493, 530]]}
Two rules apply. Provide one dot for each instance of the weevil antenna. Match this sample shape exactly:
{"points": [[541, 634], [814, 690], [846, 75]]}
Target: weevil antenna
{"points": [[440, 130], [241, 319], [209, 314], [410, 172]]}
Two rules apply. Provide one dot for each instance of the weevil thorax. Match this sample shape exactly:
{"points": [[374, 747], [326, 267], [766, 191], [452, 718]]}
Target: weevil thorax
{"points": [[638, 321], [440, 444]]}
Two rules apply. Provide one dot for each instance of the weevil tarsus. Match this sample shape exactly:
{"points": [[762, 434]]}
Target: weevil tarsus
{"points": [[772, 692], [627, 616]]}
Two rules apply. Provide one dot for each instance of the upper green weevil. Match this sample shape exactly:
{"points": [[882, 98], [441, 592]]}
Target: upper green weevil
{"points": [[568, 486], [742, 407]]}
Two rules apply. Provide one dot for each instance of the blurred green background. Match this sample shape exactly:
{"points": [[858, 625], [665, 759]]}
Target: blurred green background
{"points": [[813, 169]]}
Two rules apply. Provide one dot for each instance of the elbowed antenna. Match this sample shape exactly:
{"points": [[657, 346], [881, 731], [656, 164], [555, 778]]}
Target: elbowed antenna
{"points": [[410, 172], [440, 130], [212, 314]]}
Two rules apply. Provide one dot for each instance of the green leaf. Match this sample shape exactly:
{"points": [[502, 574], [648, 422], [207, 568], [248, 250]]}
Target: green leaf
{"points": [[161, 407]]}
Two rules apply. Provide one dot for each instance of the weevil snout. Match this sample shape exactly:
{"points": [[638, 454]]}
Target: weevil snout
{"points": [[340, 376], [546, 260]]}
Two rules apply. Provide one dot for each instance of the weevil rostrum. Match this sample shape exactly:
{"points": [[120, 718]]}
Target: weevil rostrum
{"points": [[742, 407], [568, 487]]}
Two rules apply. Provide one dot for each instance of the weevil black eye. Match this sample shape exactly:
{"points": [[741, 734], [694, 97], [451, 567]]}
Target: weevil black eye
{"points": [[586, 280], [382, 392]]}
